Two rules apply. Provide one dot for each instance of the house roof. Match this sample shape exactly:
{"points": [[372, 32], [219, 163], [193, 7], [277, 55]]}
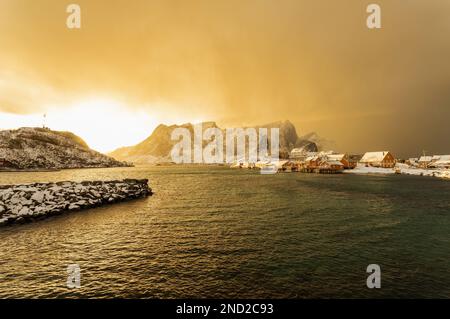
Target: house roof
{"points": [[443, 159], [425, 158], [374, 156], [337, 163], [336, 157]]}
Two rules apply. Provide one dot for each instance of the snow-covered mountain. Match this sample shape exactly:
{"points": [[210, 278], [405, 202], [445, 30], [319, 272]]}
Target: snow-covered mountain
{"points": [[41, 148], [157, 147]]}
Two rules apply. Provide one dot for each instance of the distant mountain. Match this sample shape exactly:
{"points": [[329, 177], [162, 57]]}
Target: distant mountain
{"points": [[289, 138], [40, 148], [157, 147], [322, 143]]}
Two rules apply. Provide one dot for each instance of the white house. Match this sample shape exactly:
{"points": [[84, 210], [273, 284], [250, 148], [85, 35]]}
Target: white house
{"points": [[342, 158], [297, 153], [300, 154], [424, 161], [442, 161]]}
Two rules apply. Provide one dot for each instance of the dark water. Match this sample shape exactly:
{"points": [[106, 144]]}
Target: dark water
{"points": [[218, 232]]}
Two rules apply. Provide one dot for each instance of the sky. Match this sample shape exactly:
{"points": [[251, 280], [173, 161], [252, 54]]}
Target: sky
{"points": [[135, 64]]}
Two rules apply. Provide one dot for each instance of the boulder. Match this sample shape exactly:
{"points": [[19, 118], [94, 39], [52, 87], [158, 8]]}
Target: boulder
{"points": [[20, 203]]}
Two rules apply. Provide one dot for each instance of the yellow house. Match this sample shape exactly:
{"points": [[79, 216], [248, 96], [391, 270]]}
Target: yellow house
{"points": [[343, 158], [378, 159]]}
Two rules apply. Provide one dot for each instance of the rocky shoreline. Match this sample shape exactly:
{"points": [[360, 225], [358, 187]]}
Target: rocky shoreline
{"points": [[30, 202]]}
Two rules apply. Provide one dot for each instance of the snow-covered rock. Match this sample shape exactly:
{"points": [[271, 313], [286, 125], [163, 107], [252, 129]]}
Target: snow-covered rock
{"points": [[38, 197], [40, 148], [22, 203]]}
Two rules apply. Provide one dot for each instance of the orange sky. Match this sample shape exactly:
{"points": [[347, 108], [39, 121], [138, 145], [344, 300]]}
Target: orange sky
{"points": [[137, 63]]}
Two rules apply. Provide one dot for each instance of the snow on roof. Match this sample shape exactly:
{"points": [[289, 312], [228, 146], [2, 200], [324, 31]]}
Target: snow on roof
{"points": [[336, 157], [311, 158], [425, 158], [440, 157], [443, 159], [374, 156]]}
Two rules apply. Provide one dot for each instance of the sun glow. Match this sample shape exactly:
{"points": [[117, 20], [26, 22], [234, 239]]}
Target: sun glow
{"points": [[104, 124]]}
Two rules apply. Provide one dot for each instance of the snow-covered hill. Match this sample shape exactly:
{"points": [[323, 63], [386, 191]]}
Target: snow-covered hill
{"points": [[40, 148]]}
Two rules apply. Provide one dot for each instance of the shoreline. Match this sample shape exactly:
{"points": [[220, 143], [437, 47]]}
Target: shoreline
{"points": [[29, 170], [36, 170], [359, 170], [401, 170], [23, 203]]}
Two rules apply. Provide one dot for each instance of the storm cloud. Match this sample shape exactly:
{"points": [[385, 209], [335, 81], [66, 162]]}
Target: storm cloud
{"points": [[241, 63]]}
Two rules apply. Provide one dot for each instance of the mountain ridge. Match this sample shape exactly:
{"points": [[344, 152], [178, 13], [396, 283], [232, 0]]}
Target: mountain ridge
{"points": [[157, 146]]}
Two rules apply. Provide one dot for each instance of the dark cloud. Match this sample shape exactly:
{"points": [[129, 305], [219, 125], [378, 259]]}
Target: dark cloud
{"points": [[246, 62]]}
